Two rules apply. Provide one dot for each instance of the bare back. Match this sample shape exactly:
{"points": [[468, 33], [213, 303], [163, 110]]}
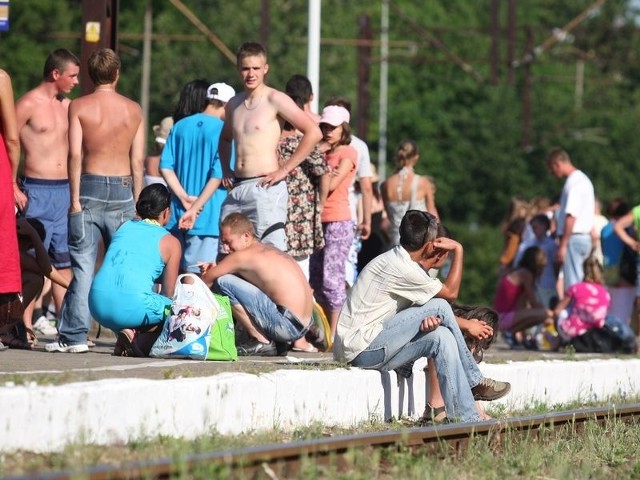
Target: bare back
{"points": [[109, 124], [43, 125], [278, 276], [256, 130]]}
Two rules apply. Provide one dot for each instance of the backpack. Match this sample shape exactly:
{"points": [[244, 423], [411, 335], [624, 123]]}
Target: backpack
{"points": [[623, 332], [596, 340]]}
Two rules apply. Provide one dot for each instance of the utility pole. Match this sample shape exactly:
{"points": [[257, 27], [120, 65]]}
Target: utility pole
{"points": [[265, 21], [364, 70], [494, 53], [100, 30], [146, 66], [313, 50], [384, 87], [511, 42], [526, 93]]}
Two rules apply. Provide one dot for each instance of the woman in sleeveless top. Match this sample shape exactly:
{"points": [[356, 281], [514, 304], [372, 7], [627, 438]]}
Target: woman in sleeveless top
{"points": [[405, 190], [516, 302], [142, 253]]}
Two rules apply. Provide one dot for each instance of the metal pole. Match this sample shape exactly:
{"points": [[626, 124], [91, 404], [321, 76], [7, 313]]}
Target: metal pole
{"points": [[146, 65], [494, 52], [384, 84], [364, 68], [579, 84], [511, 41], [313, 51]]}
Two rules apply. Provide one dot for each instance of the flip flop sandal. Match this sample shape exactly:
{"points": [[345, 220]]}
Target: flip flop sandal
{"points": [[129, 348], [433, 415], [31, 338]]}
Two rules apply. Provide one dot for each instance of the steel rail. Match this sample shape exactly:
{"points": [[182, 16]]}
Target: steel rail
{"points": [[288, 458]]}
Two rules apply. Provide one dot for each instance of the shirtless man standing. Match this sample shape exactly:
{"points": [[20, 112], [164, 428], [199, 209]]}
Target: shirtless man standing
{"points": [[269, 294], [42, 115], [254, 119], [106, 140]]}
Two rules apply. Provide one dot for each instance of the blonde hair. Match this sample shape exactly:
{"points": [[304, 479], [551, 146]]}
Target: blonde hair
{"points": [[406, 151], [238, 223], [104, 65], [592, 270]]}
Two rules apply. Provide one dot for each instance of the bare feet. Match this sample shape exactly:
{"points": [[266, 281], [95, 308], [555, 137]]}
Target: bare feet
{"points": [[301, 345]]}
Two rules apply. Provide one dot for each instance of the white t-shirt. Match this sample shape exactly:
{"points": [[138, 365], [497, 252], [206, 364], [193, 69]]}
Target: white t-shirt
{"points": [[578, 200], [390, 283], [363, 170]]}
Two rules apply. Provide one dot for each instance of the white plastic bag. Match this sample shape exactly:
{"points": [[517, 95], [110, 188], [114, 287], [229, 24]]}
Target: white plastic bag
{"points": [[185, 333]]}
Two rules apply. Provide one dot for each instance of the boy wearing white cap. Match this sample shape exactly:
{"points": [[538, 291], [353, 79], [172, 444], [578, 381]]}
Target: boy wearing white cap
{"points": [[191, 166]]}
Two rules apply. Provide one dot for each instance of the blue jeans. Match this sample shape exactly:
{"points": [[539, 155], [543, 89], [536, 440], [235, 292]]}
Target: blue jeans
{"points": [[401, 341], [274, 321], [107, 202], [578, 250]]}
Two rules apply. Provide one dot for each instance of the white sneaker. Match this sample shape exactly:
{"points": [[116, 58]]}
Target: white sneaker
{"points": [[59, 346], [43, 326]]}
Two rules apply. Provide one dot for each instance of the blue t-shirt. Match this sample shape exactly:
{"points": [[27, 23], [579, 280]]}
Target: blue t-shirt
{"points": [[611, 244], [191, 152]]}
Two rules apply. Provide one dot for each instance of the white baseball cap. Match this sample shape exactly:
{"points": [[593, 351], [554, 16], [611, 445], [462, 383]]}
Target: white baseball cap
{"points": [[220, 91]]}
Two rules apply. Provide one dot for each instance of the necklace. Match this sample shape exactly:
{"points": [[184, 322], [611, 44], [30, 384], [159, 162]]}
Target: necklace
{"points": [[402, 175], [152, 221], [257, 103], [108, 89]]}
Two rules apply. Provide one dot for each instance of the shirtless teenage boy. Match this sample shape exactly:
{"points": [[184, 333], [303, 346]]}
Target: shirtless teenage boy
{"points": [[269, 294], [254, 120], [106, 137], [42, 115]]}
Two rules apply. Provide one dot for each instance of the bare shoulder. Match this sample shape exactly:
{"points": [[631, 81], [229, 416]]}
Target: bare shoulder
{"points": [[28, 100], [426, 184], [278, 98], [171, 241], [523, 276]]}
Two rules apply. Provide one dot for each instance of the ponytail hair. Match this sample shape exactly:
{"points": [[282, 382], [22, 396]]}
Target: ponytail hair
{"points": [[152, 201]]}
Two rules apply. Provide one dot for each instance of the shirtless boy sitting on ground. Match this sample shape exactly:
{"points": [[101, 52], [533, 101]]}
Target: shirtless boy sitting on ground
{"points": [[269, 294]]}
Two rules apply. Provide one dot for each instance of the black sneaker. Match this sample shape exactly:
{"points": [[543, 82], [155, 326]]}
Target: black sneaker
{"points": [[489, 390], [256, 349]]}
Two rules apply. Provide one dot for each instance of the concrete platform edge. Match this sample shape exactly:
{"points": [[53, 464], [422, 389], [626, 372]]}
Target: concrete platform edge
{"points": [[115, 411]]}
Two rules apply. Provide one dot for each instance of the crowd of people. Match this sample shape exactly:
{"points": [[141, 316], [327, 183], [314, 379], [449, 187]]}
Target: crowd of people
{"points": [[270, 204], [566, 270]]}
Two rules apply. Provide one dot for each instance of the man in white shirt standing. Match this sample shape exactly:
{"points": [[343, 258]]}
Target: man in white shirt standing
{"points": [[575, 216]]}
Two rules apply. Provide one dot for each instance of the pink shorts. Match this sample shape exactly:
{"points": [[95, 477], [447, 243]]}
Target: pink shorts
{"points": [[506, 321]]}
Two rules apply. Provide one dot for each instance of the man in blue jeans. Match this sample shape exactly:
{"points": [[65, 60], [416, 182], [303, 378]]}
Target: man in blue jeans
{"points": [[392, 317], [270, 296], [106, 140]]}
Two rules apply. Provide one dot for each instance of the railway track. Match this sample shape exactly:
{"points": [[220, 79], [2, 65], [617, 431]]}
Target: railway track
{"points": [[285, 460]]}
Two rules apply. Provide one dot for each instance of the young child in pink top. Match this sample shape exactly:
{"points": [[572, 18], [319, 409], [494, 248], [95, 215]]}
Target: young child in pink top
{"points": [[585, 304], [327, 266]]}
